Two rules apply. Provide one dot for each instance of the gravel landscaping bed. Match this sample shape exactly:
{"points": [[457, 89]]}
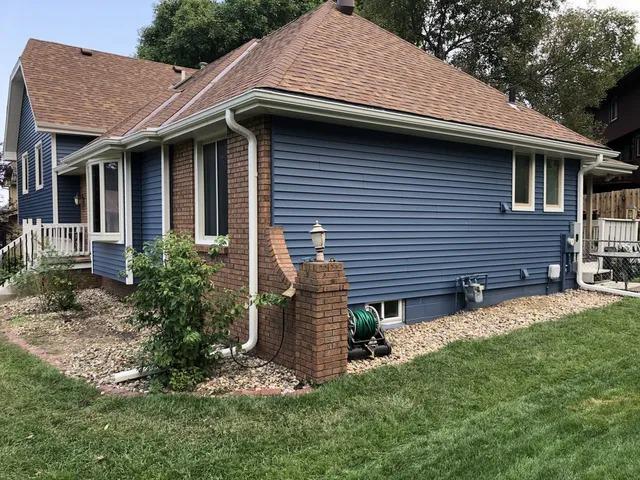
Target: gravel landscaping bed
{"points": [[413, 340], [97, 342]]}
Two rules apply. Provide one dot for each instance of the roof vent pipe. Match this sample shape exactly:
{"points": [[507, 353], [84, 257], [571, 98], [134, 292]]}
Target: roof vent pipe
{"points": [[346, 6], [202, 65]]}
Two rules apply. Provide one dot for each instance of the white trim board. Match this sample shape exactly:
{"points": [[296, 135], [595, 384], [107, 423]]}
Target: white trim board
{"points": [[259, 101]]}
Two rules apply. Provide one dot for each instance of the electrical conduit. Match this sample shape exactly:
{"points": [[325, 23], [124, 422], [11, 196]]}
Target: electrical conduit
{"points": [[581, 283]]}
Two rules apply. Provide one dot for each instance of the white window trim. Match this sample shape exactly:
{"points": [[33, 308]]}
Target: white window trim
{"points": [[39, 165], [99, 236], [393, 320], [24, 167], [198, 172], [613, 112], [531, 205], [549, 207]]}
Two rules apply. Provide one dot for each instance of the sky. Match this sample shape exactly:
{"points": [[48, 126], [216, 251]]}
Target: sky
{"points": [[107, 25]]}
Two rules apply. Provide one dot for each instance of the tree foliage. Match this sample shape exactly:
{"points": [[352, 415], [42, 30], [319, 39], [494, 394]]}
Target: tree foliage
{"points": [[561, 61], [187, 32]]}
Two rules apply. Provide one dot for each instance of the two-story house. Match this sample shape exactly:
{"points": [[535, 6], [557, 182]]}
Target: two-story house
{"points": [[620, 112]]}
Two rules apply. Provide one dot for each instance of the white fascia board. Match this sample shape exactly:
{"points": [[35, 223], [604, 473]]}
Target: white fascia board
{"points": [[12, 113], [331, 111], [69, 129]]}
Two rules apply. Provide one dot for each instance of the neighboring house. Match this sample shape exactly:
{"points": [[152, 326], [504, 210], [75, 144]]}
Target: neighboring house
{"points": [[420, 173], [620, 112]]}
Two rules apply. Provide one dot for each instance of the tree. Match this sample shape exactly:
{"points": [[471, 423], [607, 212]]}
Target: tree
{"points": [[561, 63], [187, 32], [580, 56]]}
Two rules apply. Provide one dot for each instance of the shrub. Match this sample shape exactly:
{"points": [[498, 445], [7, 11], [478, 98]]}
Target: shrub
{"points": [[187, 315], [51, 279]]}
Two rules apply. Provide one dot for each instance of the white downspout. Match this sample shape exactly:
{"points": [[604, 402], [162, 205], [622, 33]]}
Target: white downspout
{"points": [[581, 283], [253, 248], [253, 229]]}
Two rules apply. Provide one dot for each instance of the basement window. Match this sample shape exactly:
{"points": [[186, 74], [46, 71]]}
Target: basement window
{"points": [[390, 311], [24, 172], [105, 186], [523, 183], [212, 202], [553, 184], [39, 166]]}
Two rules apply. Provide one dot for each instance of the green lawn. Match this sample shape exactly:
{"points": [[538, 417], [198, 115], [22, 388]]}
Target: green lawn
{"points": [[558, 400]]}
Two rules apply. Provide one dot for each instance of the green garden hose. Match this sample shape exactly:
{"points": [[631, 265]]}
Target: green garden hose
{"points": [[365, 324]]}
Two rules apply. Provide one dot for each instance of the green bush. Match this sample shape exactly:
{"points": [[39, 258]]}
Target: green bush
{"points": [[51, 279], [187, 315]]}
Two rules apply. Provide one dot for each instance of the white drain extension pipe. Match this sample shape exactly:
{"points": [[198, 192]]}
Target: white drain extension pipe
{"points": [[581, 283]]}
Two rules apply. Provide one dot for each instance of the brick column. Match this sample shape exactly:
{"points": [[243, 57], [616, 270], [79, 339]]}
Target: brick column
{"points": [[321, 321]]}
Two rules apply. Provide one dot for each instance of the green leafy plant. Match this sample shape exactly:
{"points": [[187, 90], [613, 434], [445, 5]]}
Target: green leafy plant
{"points": [[177, 300], [51, 279]]}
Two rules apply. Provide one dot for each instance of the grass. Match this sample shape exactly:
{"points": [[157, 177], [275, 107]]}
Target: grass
{"points": [[557, 400]]}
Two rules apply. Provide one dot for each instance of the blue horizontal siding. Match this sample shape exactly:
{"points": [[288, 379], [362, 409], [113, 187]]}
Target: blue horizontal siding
{"points": [[109, 260], [37, 203], [409, 215], [69, 186], [147, 196], [68, 144]]}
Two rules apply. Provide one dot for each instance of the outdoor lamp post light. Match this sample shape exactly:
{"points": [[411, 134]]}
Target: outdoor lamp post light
{"points": [[318, 236], [76, 199]]}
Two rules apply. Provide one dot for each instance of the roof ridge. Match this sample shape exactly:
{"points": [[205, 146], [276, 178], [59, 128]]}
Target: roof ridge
{"points": [[291, 52], [127, 57]]}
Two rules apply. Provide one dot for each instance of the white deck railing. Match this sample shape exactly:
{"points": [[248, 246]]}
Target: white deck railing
{"points": [[66, 239]]}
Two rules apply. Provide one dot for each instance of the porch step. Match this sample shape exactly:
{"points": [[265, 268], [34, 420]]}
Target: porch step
{"points": [[592, 274]]}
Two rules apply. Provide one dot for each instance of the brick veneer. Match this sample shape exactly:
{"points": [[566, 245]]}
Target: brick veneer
{"points": [[83, 199], [321, 313], [276, 271]]}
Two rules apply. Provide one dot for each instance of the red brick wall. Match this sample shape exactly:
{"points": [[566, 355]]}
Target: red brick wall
{"points": [[83, 199], [276, 272], [182, 188]]}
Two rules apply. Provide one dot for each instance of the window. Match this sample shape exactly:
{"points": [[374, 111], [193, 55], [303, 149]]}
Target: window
{"points": [[212, 204], [390, 311], [638, 147], [524, 173], [24, 167], [613, 110], [38, 164], [104, 181], [553, 184]]}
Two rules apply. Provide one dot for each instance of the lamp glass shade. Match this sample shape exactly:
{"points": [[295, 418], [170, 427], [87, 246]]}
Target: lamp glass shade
{"points": [[318, 235]]}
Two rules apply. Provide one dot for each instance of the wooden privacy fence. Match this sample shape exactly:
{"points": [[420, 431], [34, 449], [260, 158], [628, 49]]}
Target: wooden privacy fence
{"points": [[619, 204]]}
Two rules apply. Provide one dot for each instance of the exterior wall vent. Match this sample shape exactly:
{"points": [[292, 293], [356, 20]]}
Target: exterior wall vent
{"points": [[346, 6]]}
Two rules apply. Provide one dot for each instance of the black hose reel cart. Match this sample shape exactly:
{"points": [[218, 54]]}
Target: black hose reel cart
{"points": [[366, 337]]}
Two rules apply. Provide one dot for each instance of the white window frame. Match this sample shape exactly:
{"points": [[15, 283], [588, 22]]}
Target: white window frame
{"points": [[613, 110], [24, 167], [637, 147], [549, 207], [393, 320], [39, 167], [531, 205], [198, 172], [102, 236]]}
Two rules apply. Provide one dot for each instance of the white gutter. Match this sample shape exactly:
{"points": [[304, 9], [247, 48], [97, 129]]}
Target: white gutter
{"points": [[581, 282], [253, 230], [304, 106]]}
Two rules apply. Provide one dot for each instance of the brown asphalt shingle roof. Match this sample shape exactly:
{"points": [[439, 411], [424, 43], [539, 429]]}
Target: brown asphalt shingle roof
{"points": [[331, 55], [94, 92]]}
